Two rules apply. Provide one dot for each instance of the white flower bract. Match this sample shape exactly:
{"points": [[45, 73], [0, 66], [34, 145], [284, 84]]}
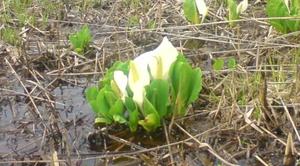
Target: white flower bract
{"points": [[139, 77], [242, 6], [286, 2], [202, 8], [121, 80], [164, 55], [157, 62]]}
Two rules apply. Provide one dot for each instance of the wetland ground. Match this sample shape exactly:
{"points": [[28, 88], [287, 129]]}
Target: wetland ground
{"points": [[242, 117]]}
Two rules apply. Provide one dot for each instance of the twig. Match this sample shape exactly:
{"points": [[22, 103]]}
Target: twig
{"points": [[168, 142], [290, 118], [261, 160], [201, 145], [36, 111]]}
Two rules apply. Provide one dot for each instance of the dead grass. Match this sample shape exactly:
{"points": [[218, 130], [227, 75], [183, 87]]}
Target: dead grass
{"points": [[242, 117]]}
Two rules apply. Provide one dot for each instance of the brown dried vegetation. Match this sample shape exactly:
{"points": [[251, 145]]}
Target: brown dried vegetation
{"points": [[242, 117]]}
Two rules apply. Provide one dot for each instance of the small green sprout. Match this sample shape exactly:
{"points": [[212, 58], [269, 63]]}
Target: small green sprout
{"points": [[231, 63], [80, 40], [218, 64], [235, 10], [193, 9]]}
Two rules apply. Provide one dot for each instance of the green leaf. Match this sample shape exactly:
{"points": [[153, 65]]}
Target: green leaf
{"points": [[186, 84], [295, 7], [173, 73], [218, 64], [190, 11], [150, 123], [95, 106], [133, 114], [122, 66], [133, 120], [152, 119], [277, 8], [233, 15], [195, 85], [91, 93], [231, 63], [103, 105], [81, 40], [102, 120], [120, 119], [184, 90], [130, 104], [110, 97], [148, 108], [158, 94], [117, 108]]}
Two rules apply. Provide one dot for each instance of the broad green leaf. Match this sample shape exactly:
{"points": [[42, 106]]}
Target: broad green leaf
{"points": [[110, 97], [152, 119], [186, 85], [190, 11], [233, 15], [278, 8], [185, 78], [148, 108], [95, 106], [295, 9], [158, 94], [91, 93], [174, 69], [195, 85], [133, 114], [133, 120], [130, 104], [103, 105], [174, 76], [117, 108]]}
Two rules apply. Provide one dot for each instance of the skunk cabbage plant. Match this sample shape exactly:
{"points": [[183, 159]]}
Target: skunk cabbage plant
{"points": [[193, 9], [142, 92]]}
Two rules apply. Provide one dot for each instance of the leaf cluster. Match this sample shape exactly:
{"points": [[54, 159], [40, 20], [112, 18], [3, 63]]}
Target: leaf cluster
{"points": [[163, 98], [80, 40], [278, 8]]}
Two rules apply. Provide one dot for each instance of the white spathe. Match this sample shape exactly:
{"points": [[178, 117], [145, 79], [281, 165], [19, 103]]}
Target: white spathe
{"points": [[202, 8], [121, 80], [286, 2], [164, 55], [139, 77], [242, 6], [157, 61]]}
